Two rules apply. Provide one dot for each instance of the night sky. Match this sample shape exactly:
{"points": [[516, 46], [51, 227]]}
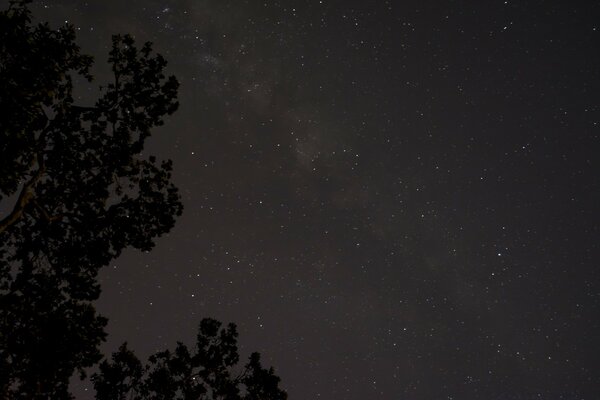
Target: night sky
{"points": [[392, 199]]}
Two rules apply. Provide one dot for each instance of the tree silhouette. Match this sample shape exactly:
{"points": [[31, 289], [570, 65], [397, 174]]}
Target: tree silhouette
{"points": [[78, 191], [204, 374]]}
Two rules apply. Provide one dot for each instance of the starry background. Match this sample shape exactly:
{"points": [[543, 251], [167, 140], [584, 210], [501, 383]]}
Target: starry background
{"points": [[392, 199]]}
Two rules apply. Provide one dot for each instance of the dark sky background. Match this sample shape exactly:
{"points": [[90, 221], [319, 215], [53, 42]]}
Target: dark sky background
{"points": [[392, 199]]}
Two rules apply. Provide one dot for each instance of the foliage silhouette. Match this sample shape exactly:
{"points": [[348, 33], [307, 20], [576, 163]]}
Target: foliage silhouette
{"points": [[78, 191], [207, 373]]}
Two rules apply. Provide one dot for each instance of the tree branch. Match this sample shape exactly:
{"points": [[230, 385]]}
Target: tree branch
{"points": [[83, 108], [24, 197], [47, 217]]}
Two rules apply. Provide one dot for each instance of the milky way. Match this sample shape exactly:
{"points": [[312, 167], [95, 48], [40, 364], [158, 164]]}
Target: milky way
{"points": [[393, 200]]}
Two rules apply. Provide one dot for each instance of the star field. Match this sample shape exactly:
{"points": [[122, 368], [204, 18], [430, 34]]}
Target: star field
{"points": [[393, 200]]}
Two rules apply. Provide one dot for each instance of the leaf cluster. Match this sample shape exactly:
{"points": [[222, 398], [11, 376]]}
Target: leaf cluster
{"points": [[207, 372]]}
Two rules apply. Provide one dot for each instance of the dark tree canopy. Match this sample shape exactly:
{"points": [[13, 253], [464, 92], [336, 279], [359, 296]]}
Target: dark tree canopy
{"points": [[78, 191], [208, 372]]}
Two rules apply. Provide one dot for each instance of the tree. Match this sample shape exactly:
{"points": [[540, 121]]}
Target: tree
{"points": [[204, 374], [78, 189]]}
